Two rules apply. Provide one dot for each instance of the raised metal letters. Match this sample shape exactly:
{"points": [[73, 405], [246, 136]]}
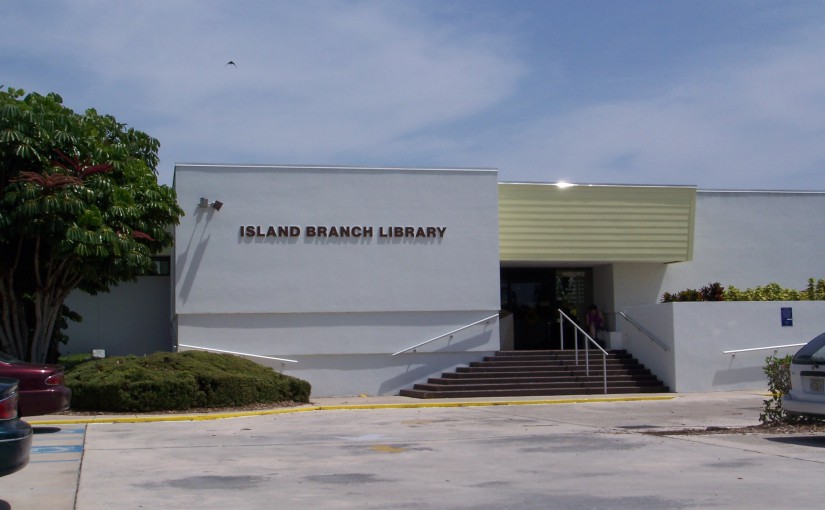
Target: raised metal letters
{"points": [[348, 231]]}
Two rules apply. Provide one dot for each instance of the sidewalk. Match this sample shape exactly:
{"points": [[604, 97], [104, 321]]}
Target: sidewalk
{"points": [[697, 401]]}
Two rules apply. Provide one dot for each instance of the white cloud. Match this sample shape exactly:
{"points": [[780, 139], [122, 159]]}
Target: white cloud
{"points": [[415, 83], [743, 124], [313, 79]]}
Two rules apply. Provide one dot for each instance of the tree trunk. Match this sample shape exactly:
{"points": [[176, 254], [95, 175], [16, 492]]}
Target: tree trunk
{"points": [[27, 327], [12, 322]]}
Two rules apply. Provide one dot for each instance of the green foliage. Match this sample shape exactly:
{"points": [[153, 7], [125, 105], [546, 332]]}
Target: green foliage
{"points": [[710, 292], [69, 361], [769, 292], [80, 207], [815, 291], [778, 371], [178, 381]]}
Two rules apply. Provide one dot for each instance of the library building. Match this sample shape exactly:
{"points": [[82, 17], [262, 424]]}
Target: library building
{"points": [[433, 282]]}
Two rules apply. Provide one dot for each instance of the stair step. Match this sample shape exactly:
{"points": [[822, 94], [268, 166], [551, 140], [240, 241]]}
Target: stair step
{"points": [[472, 379], [549, 370], [556, 385], [541, 373], [529, 392]]}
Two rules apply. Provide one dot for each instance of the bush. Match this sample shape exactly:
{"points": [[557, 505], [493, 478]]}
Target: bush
{"points": [[710, 292], [69, 361], [815, 291], [178, 381], [778, 371], [769, 292]]}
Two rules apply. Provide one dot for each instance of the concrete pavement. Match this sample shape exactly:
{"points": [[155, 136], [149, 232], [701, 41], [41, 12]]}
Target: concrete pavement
{"points": [[394, 452]]}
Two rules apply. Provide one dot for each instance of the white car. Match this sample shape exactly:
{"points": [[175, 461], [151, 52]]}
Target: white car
{"points": [[807, 395]]}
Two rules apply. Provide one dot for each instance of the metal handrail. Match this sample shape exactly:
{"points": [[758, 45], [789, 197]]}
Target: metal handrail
{"points": [[450, 334], [774, 348], [645, 331], [237, 353], [586, 351]]}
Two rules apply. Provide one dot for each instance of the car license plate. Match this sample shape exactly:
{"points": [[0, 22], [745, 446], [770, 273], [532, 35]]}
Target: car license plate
{"points": [[816, 385]]}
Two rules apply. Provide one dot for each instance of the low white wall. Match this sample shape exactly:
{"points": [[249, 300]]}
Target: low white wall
{"points": [[658, 320], [698, 333], [349, 354]]}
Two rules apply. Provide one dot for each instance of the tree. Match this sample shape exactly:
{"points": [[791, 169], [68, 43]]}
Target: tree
{"points": [[80, 208]]}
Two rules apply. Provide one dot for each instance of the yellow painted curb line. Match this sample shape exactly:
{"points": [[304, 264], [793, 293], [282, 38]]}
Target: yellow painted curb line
{"points": [[343, 407]]}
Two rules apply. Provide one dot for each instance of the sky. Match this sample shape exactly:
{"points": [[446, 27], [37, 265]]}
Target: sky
{"points": [[718, 94]]}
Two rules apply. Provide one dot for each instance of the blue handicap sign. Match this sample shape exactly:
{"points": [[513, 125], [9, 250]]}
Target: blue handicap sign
{"points": [[72, 448], [787, 316]]}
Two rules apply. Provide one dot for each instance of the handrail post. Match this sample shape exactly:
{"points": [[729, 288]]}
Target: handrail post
{"points": [[576, 344], [588, 340], [561, 330], [604, 371]]}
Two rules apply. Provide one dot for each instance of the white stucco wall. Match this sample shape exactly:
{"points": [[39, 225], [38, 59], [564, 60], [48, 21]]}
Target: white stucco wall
{"points": [[750, 238], [339, 305], [695, 362], [741, 238]]}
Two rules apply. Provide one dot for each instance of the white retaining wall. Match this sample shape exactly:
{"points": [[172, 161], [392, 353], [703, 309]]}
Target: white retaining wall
{"points": [[696, 363]]}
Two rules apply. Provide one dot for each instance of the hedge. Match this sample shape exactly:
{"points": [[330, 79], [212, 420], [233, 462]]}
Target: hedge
{"points": [[178, 381]]}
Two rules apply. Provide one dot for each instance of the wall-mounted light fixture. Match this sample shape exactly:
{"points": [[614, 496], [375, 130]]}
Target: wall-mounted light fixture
{"points": [[217, 204]]}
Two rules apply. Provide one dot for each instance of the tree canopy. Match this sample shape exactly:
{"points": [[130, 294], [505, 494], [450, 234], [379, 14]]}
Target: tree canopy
{"points": [[80, 208]]}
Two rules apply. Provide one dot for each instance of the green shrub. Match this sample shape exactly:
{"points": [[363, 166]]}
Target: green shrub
{"points": [[710, 292], [178, 381], [769, 292], [69, 361], [778, 371], [815, 291]]}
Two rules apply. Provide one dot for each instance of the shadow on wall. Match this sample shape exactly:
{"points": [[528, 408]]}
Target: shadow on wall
{"points": [[750, 376], [381, 373], [196, 256], [416, 372]]}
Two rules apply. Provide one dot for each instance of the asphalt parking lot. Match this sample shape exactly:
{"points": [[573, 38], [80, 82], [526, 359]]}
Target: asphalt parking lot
{"points": [[573, 455]]}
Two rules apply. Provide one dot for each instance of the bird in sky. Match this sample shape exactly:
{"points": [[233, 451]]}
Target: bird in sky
{"points": [[231, 63]]}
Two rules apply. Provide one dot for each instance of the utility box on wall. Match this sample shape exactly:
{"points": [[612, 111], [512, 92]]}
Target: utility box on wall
{"points": [[338, 268]]}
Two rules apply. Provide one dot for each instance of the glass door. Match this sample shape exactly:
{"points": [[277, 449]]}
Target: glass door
{"points": [[533, 295]]}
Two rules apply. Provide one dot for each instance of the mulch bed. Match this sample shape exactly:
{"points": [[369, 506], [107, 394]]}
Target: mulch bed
{"points": [[764, 428]]}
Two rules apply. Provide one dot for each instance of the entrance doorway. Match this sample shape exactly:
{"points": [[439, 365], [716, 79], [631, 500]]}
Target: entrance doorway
{"points": [[533, 296]]}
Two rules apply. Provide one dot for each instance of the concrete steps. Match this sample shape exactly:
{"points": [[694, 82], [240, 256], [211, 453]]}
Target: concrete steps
{"points": [[538, 373]]}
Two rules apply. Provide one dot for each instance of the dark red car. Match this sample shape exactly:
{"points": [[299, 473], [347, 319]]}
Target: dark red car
{"points": [[41, 388]]}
